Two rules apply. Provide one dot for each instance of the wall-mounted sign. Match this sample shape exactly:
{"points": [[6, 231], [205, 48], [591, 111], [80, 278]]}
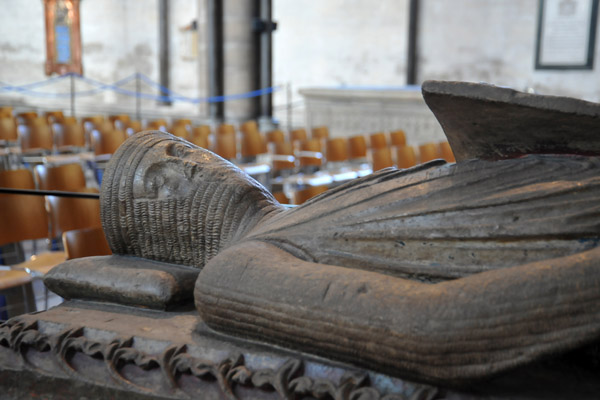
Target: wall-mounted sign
{"points": [[566, 34], [63, 38]]}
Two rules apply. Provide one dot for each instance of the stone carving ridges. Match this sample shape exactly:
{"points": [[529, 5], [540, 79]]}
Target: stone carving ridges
{"points": [[288, 381]]}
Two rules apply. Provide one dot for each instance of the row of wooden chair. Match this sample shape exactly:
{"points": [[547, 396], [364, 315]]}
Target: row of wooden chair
{"points": [[16, 293], [68, 136], [31, 218], [409, 156], [28, 217]]}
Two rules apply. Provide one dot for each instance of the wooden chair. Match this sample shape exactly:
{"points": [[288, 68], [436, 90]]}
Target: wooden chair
{"points": [[428, 152], [85, 242], [252, 143], [54, 117], [183, 121], [107, 141], [16, 293], [6, 111], [303, 195], [68, 213], [320, 132], [337, 149], [298, 135], [445, 152], [37, 136], [357, 147], [119, 121], [92, 122], [275, 136], [226, 145], [26, 116], [69, 135], [133, 127], [157, 124], [200, 136], [382, 158], [281, 198], [378, 140], [287, 162], [8, 129], [398, 138], [180, 130], [68, 177], [405, 156], [24, 217]]}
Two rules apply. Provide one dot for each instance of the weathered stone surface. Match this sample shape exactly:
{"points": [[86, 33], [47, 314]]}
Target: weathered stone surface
{"points": [[490, 122], [445, 273], [123, 280], [163, 198], [87, 350]]}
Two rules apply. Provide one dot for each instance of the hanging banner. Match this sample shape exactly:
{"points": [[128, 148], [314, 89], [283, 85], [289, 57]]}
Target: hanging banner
{"points": [[63, 37]]}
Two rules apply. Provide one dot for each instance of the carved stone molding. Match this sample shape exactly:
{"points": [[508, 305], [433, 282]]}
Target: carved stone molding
{"points": [[60, 355]]}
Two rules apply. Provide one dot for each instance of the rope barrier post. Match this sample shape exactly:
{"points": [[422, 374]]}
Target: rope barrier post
{"points": [[138, 98], [72, 94], [288, 89]]}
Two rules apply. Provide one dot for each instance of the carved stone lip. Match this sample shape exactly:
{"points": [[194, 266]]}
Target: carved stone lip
{"points": [[490, 122], [146, 363]]}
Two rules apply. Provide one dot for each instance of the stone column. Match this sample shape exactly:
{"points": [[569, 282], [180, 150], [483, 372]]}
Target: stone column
{"points": [[241, 47]]}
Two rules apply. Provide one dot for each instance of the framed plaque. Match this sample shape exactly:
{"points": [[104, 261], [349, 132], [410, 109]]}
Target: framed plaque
{"points": [[566, 34], [63, 37]]}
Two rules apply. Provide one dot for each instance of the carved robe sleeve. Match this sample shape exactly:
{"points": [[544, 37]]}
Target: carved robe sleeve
{"points": [[459, 329]]}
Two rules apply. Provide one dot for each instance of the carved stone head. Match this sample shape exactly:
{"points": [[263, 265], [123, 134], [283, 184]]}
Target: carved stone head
{"points": [[166, 199]]}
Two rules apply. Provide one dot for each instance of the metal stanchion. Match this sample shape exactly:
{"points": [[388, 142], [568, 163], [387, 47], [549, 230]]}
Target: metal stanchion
{"points": [[138, 99], [72, 95], [289, 106]]}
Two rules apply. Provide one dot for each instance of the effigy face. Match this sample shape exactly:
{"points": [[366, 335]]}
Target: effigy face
{"points": [[442, 273], [159, 188]]}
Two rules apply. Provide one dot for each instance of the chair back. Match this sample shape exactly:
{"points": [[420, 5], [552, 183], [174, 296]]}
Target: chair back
{"points": [[85, 242], [180, 130], [8, 129], [133, 127], [37, 135], [69, 134], [54, 116], [157, 124], [200, 136], [406, 157], [107, 141], [22, 217], [26, 116], [68, 213], [119, 121], [68, 177], [6, 111], [382, 158]]}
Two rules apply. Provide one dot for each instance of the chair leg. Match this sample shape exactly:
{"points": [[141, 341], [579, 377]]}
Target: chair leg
{"points": [[25, 299], [45, 297]]}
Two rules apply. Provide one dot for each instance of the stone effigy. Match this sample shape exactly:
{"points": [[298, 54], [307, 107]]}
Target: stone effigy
{"points": [[443, 273]]}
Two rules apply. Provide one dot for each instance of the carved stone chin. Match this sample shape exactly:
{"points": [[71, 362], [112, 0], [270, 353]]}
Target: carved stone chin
{"points": [[443, 273]]}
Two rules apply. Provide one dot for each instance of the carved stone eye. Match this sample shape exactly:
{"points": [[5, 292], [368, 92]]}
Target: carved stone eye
{"points": [[178, 150]]}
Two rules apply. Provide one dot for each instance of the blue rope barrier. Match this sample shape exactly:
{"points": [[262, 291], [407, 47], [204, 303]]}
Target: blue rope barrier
{"points": [[167, 94], [100, 86], [163, 90]]}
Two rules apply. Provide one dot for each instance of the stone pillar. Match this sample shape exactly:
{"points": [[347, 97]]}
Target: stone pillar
{"points": [[202, 43], [214, 37], [241, 52]]}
